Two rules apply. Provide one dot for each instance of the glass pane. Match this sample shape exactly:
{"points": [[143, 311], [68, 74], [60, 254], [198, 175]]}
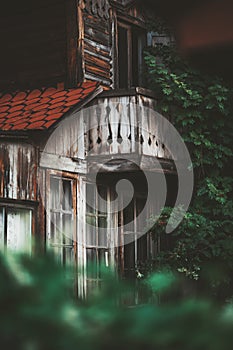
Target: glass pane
{"points": [[90, 198], [102, 238], [57, 252], [67, 195], [103, 257], [102, 204], [54, 193], [2, 229], [55, 228], [141, 215], [102, 222], [91, 230], [142, 250], [68, 255], [102, 234], [129, 259], [91, 263], [68, 226], [19, 225], [128, 216]]}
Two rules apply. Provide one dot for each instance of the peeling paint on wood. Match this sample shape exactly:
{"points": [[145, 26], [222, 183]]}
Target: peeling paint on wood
{"points": [[18, 171]]}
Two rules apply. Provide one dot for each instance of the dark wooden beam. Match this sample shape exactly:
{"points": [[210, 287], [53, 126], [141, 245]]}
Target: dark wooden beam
{"points": [[72, 43]]}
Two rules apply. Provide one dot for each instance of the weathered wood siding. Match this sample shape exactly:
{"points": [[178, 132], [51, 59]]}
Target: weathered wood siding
{"points": [[112, 125], [18, 171], [65, 145], [97, 45], [33, 44]]}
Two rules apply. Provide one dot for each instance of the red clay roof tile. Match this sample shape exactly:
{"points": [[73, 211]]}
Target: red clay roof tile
{"points": [[49, 92], [36, 125], [60, 94], [57, 104], [4, 108], [7, 127], [16, 108], [48, 124], [31, 106], [34, 94], [55, 110], [5, 98], [14, 114], [40, 109], [19, 96], [22, 126]]}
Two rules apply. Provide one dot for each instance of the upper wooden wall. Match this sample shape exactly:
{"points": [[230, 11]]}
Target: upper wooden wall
{"points": [[33, 44], [98, 47], [47, 42]]}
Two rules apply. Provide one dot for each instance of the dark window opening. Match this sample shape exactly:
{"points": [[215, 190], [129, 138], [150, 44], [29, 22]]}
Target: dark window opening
{"points": [[131, 41], [123, 56]]}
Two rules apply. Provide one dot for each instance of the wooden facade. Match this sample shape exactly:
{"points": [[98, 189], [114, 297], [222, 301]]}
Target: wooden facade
{"points": [[46, 176]]}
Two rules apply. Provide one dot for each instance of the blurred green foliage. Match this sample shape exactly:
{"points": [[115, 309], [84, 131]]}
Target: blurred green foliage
{"points": [[38, 312]]}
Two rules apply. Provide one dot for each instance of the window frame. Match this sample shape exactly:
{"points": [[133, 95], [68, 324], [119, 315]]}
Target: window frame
{"points": [[75, 179], [131, 29], [15, 204], [96, 247]]}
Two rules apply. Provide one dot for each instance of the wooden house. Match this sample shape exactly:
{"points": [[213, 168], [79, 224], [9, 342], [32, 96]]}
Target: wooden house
{"points": [[74, 104]]}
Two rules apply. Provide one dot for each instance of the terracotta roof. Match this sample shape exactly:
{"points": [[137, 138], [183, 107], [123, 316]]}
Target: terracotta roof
{"points": [[41, 108]]}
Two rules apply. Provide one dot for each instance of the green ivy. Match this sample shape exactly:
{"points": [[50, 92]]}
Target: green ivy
{"points": [[200, 107]]}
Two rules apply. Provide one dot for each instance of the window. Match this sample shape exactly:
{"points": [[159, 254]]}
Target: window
{"points": [[61, 223], [15, 228], [131, 41], [97, 233], [134, 220]]}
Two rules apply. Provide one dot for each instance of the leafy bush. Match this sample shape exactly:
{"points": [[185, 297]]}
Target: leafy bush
{"points": [[37, 312]]}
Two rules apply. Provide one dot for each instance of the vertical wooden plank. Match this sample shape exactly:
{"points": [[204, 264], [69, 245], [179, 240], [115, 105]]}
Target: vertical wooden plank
{"points": [[80, 136], [125, 145], [114, 52], [40, 232], [104, 126], [114, 120], [81, 237], [132, 111], [144, 128], [153, 133], [129, 36], [80, 44], [71, 43]]}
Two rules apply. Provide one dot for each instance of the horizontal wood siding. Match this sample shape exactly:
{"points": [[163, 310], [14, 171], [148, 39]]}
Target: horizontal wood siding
{"points": [[97, 49], [33, 44], [18, 171]]}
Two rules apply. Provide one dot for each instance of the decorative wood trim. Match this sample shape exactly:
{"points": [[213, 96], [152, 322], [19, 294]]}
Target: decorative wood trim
{"points": [[97, 8]]}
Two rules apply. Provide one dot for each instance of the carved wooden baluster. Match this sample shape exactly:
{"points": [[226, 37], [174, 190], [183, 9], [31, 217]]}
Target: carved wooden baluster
{"points": [[125, 127]]}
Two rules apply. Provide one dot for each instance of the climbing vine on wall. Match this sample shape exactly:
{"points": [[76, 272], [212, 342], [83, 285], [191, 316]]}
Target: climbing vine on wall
{"points": [[201, 109]]}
